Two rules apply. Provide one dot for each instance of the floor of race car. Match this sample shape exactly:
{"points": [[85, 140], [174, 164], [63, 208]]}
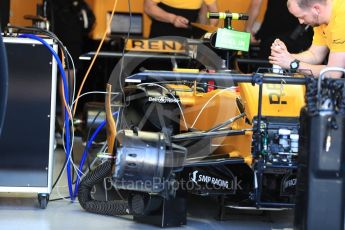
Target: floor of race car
{"points": [[20, 211]]}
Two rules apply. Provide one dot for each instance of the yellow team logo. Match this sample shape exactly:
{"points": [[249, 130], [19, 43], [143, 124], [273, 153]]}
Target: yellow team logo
{"points": [[150, 45]]}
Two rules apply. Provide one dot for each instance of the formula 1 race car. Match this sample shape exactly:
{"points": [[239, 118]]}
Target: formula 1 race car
{"points": [[233, 136]]}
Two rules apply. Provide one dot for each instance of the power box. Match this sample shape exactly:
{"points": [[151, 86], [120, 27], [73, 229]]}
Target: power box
{"points": [[27, 137]]}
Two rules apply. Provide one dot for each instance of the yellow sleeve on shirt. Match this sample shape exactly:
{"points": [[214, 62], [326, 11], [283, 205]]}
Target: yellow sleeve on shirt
{"points": [[333, 34], [209, 2], [185, 4]]}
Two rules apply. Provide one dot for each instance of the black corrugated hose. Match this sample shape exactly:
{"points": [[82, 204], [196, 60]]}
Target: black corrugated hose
{"points": [[330, 88], [110, 208], [342, 102], [311, 95]]}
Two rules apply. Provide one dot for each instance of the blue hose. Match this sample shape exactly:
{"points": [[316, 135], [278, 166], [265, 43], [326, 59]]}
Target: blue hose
{"points": [[67, 128]]}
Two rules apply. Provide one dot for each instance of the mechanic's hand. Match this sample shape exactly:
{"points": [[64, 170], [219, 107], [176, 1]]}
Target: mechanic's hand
{"points": [[280, 55], [180, 22]]}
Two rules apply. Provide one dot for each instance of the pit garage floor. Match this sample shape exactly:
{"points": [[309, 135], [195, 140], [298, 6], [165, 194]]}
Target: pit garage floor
{"points": [[20, 211]]}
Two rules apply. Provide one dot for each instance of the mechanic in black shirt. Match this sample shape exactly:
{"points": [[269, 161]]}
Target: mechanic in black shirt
{"points": [[71, 21], [277, 23]]}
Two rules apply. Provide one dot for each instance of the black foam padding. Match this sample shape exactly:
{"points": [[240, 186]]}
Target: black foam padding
{"points": [[320, 198]]}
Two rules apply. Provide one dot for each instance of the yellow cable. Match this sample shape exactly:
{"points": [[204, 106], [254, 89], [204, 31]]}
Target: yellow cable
{"points": [[94, 57]]}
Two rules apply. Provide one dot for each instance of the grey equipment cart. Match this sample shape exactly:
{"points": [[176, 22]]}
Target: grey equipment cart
{"points": [[27, 138]]}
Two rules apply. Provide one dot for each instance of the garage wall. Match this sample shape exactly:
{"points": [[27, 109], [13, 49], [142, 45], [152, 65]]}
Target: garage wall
{"points": [[19, 8]]}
